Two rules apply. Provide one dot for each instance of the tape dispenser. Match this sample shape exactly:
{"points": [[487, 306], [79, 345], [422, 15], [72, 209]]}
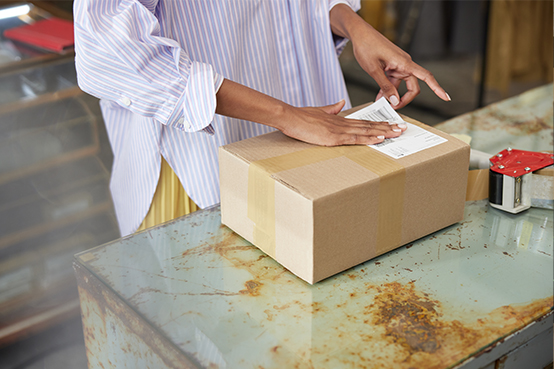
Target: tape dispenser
{"points": [[512, 184]]}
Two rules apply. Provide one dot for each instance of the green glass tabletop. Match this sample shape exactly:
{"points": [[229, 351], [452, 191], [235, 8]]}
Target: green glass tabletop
{"points": [[431, 304]]}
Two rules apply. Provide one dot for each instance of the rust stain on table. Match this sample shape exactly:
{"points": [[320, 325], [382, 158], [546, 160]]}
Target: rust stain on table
{"points": [[410, 321], [413, 322]]}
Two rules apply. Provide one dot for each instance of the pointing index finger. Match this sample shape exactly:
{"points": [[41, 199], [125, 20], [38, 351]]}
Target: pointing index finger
{"points": [[427, 77]]}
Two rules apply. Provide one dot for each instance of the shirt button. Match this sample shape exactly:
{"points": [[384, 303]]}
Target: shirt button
{"points": [[125, 101], [184, 125]]}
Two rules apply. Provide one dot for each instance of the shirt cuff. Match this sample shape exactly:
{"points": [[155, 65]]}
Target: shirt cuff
{"points": [[354, 4], [195, 109], [218, 81]]}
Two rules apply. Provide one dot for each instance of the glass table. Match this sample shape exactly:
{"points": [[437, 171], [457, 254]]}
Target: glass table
{"points": [[54, 178], [191, 293]]}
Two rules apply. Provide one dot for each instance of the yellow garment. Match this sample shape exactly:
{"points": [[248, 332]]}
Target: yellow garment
{"points": [[170, 199]]}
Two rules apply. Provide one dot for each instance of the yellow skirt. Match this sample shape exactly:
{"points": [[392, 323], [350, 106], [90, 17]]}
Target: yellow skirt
{"points": [[170, 199]]}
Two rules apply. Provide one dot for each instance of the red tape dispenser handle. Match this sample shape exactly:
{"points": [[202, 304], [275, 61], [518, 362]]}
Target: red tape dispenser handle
{"points": [[510, 178]]}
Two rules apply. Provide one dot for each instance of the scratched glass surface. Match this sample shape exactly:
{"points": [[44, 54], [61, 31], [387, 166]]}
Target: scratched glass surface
{"points": [[432, 303], [522, 122]]}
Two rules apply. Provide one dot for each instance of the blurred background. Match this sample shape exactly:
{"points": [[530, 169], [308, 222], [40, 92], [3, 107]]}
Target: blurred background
{"points": [[55, 158]]}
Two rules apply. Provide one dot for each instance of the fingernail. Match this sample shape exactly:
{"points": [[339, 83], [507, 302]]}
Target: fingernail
{"points": [[447, 95], [402, 125], [394, 100], [381, 137], [397, 130]]}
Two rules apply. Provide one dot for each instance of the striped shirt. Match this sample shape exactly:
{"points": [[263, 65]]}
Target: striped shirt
{"points": [[156, 66]]}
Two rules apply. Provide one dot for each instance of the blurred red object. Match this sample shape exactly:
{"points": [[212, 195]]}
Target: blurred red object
{"points": [[52, 34]]}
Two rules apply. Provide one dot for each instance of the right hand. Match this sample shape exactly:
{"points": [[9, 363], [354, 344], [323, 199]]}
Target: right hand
{"points": [[322, 126]]}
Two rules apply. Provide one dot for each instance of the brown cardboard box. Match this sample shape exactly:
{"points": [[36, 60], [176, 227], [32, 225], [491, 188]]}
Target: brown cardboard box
{"points": [[321, 210]]}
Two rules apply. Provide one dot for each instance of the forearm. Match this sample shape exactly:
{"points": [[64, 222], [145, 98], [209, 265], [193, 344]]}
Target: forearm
{"points": [[238, 101], [346, 23]]}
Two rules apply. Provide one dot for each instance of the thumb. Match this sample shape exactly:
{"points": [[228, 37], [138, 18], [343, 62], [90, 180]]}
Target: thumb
{"points": [[387, 88], [335, 108]]}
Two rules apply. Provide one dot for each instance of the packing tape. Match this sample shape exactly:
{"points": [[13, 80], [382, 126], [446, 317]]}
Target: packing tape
{"points": [[477, 185], [542, 185], [261, 191]]}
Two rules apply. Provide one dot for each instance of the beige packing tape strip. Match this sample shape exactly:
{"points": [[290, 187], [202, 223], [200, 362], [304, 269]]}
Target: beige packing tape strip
{"points": [[549, 172], [261, 190], [478, 183]]}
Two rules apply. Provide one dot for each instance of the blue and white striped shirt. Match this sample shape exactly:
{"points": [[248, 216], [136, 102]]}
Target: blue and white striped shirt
{"points": [[156, 65]]}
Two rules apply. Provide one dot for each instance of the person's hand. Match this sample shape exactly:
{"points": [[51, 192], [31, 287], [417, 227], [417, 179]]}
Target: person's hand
{"points": [[316, 125], [385, 62], [322, 126], [389, 65]]}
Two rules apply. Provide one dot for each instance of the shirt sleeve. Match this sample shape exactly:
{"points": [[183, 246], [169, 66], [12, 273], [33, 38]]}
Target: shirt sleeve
{"points": [[121, 56], [340, 42]]}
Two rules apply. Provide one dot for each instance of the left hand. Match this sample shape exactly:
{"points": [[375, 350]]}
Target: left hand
{"points": [[381, 59]]}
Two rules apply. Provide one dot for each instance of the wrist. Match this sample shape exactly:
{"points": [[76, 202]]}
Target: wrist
{"points": [[281, 115]]}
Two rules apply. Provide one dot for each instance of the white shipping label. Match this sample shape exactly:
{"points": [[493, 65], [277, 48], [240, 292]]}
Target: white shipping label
{"points": [[412, 140]]}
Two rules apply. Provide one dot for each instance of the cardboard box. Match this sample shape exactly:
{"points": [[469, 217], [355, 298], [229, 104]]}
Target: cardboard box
{"points": [[321, 210]]}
